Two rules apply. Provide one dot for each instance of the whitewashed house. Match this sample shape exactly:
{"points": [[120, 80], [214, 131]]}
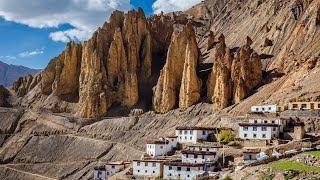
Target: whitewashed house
{"points": [[114, 167], [161, 146], [194, 134], [198, 156], [99, 173], [250, 154], [268, 108], [184, 171], [262, 128], [148, 168], [209, 148]]}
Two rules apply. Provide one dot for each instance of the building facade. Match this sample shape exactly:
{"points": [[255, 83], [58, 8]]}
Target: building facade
{"points": [[183, 171], [304, 105], [161, 147], [198, 156], [250, 154], [264, 109], [262, 129], [216, 148], [194, 134], [99, 173], [113, 168], [148, 168]]}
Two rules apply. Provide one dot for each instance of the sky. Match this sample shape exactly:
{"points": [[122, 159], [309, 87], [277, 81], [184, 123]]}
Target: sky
{"points": [[32, 32]]}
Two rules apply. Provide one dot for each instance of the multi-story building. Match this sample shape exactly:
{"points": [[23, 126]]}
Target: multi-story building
{"points": [[268, 108], [194, 134], [99, 173], [161, 146], [209, 148], [113, 168], [304, 105], [148, 168], [183, 171], [262, 128], [189, 156]]}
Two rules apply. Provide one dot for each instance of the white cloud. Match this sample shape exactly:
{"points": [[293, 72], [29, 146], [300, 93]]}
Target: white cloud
{"points": [[32, 53], [85, 15], [173, 5], [8, 57]]}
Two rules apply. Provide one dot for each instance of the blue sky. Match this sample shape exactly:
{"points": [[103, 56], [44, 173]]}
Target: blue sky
{"points": [[34, 32]]}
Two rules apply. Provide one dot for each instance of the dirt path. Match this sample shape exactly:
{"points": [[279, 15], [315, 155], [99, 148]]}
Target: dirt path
{"points": [[28, 173]]}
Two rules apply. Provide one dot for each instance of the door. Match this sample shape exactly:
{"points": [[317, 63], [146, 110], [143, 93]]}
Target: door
{"points": [[311, 106]]}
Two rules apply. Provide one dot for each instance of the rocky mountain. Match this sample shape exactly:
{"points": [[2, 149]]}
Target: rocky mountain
{"points": [[138, 78], [10, 73]]}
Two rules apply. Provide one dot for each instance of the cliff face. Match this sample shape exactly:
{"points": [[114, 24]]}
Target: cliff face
{"points": [[232, 78], [4, 94], [178, 82]]}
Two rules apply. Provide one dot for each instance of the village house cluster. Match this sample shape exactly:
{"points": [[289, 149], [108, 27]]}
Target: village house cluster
{"points": [[195, 151]]}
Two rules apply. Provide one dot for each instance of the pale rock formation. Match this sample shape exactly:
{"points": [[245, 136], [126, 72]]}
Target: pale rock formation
{"points": [[232, 78], [178, 82], [25, 84]]}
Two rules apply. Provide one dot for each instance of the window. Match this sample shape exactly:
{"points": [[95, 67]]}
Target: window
{"points": [[245, 128], [265, 122], [190, 137], [180, 132], [319, 106], [154, 164], [185, 132], [195, 156], [263, 135], [161, 147], [264, 128], [138, 170], [262, 109], [269, 108], [188, 175], [170, 167], [138, 163], [170, 174], [187, 155], [255, 121], [112, 167], [172, 140], [257, 109], [207, 149], [303, 105], [272, 122], [188, 169], [146, 163], [254, 135], [202, 156], [254, 128], [178, 168], [203, 132], [191, 132], [295, 105], [274, 129], [108, 173], [179, 175], [274, 135], [146, 171], [180, 137], [245, 135], [153, 172], [185, 138]]}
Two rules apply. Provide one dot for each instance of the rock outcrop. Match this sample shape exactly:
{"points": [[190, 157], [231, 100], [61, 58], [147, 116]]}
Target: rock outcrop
{"points": [[232, 78], [24, 84], [116, 62], [210, 42], [4, 94], [178, 82]]}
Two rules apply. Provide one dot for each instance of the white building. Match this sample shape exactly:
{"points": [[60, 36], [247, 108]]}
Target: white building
{"points": [[184, 171], [268, 108], [161, 147], [262, 128], [148, 168], [113, 168], [198, 156], [209, 148], [194, 134], [99, 173], [250, 154]]}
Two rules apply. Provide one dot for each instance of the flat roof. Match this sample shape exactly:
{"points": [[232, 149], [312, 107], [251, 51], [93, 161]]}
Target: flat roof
{"points": [[206, 146], [267, 118], [119, 163], [172, 136], [157, 142], [101, 168], [256, 150], [196, 128], [259, 124], [150, 160], [185, 164], [198, 152]]}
